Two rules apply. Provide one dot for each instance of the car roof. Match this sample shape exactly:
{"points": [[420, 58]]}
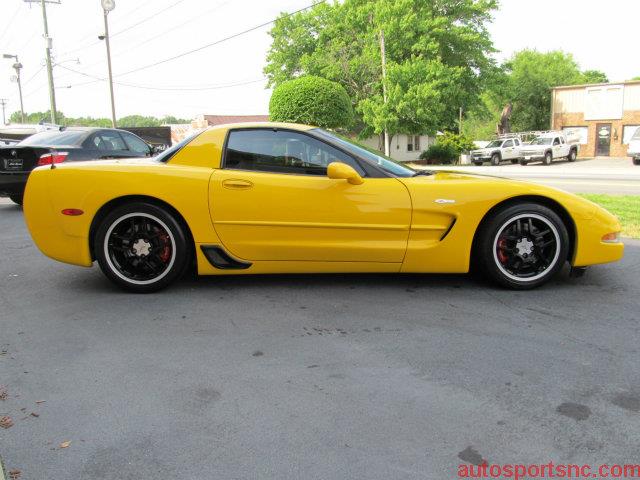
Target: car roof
{"points": [[290, 126]]}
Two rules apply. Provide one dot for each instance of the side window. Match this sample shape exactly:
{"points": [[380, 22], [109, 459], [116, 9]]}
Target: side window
{"points": [[135, 144], [556, 141], [108, 141], [516, 142], [282, 151], [508, 143]]}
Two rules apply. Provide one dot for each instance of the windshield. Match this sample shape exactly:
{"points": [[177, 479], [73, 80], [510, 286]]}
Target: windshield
{"points": [[170, 152], [494, 144], [541, 141], [382, 161], [54, 139]]}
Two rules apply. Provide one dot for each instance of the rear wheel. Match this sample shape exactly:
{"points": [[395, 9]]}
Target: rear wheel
{"points": [[141, 247], [17, 199], [495, 159], [548, 158], [572, 156], [522, 246]]}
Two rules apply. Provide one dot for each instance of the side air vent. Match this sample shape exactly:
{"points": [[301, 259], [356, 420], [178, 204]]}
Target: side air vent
{"points": [[219, 258]]}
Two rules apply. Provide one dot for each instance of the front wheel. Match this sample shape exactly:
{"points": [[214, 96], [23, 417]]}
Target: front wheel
{"points": [[636, 161], [477, 164], [522, 246], [495, 159], [548, 158], [141, 247]]}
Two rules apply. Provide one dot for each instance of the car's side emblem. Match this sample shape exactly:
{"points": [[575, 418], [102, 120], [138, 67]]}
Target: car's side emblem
{"points": [[444, 200]]}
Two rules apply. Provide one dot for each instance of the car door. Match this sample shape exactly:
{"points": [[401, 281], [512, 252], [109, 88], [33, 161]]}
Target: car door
{"points": [[556, 148], [507, 150], [272, 200]]}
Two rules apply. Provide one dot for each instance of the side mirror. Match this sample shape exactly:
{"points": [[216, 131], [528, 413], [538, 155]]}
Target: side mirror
{"points": [[342, 171]]}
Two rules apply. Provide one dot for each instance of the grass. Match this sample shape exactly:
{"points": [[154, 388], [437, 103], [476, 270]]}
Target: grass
{"points": [[625, 207]]}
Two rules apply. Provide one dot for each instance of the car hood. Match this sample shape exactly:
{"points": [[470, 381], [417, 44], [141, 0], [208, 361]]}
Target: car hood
{"points": [[483, 150]]}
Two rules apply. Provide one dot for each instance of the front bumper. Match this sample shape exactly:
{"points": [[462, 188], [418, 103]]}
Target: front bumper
{"points": [[12, 183]]}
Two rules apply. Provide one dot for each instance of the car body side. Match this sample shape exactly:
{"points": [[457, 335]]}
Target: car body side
{"points": [[443, 211]]}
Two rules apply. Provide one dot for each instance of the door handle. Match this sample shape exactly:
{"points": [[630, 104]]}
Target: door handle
{"points": [[237, 184]]}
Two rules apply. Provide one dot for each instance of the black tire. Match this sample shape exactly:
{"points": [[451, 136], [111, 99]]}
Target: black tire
{"points": [[477, 164], [523, 162], [141, 247], [548, 158], [17, 199], [636, 161], [573, 155], [522, 259], [514, 161], [495, 159]]}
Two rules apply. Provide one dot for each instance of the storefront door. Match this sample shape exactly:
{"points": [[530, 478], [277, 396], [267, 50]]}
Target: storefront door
{"points": [[603, 139]]}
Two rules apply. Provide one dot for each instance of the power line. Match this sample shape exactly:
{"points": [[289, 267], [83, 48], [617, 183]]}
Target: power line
{"points": [[33, 76], [10, 22], [191, 88], [144, 20], [230, 37]]}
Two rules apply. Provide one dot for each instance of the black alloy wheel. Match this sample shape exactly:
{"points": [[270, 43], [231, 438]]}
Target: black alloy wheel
{"points": [[522, 246], [141, 247]]}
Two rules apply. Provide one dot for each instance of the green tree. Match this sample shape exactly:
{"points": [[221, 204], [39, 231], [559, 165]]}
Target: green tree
{"points": [[437, 56], [311, 100], [636, 78], [138, 121], [531, 76], [594, 76]]}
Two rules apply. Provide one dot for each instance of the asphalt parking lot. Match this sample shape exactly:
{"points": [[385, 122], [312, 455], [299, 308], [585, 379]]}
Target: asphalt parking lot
{"points": [[311, 377]]}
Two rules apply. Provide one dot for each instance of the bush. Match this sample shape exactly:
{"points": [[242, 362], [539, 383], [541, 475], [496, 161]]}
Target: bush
{"points": [[311, 100], [447, 148], [438, 153]]}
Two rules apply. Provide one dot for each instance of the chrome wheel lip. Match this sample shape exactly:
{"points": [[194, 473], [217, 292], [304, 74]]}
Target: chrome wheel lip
{"points": [[553, 262], [115, 269]]}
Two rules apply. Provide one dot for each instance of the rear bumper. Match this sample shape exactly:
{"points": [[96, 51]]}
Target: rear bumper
{"points": [[12, 183]]}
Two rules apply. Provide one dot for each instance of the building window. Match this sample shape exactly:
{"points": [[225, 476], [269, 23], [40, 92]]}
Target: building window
{"points": [[579, 133], [413, 143], [627, 133]]}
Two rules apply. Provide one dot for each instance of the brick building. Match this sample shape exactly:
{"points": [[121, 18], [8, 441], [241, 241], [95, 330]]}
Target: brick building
{"points": [[605, 116]]}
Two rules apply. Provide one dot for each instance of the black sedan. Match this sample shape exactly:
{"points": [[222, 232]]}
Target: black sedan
{"points": [[64, 145]]}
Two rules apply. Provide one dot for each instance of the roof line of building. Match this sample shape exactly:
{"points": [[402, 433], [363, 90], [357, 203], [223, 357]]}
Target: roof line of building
{"points": [[583, 85]]}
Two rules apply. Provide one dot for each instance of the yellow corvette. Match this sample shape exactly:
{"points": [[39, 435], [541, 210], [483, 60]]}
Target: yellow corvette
{"points": [[286, 198]]}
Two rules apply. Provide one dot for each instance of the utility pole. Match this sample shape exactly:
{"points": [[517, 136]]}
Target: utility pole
{"points": [[3, 102], [107, 6], [383, 56], [48, 45], [17, 67]]}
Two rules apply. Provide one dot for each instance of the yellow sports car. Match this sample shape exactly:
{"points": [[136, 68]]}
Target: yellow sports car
{"points": [[286, 198]]}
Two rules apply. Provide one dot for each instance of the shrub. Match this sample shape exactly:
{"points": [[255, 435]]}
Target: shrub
{"points": [[311, 100], [447, 148]]}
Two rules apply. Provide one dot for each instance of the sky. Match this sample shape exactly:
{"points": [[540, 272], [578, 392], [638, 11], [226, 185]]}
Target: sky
{"points": [[600, 35]]}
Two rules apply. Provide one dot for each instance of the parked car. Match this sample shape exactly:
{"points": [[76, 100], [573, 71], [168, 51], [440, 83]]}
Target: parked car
{"points": [[547, 147], [497, 151], [256, 198], [63, 145], [634, 147]]}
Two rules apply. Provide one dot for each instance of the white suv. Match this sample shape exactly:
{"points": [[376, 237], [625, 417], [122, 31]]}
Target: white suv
{"points": [[496, 151], [548, 147]]}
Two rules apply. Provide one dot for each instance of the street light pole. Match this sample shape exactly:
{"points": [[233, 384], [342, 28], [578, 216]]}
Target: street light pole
{"points": [[107, 6], [17, 66]]}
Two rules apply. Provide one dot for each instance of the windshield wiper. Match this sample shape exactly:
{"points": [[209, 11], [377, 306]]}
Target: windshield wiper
{"points": [[423, 172]]}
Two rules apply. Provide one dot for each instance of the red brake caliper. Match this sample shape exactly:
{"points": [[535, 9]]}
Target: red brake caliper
{"points": [[166, 249], [502, 244]]}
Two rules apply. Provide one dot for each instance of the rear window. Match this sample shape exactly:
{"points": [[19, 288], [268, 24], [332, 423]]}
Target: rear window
{"points": [[53, 139], [636, 136]]}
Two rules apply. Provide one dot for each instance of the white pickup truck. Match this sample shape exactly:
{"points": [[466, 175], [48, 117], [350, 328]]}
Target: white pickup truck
{"points": [[498, 150], [634, 147], [547, 147]]}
